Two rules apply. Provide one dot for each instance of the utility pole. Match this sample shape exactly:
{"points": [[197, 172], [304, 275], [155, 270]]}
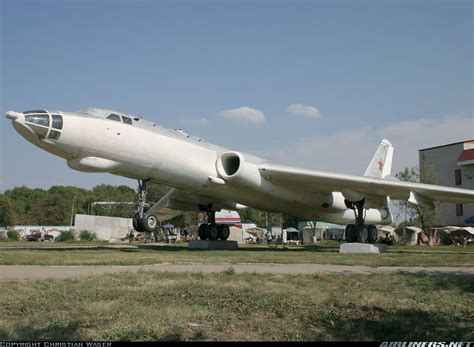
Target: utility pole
{"points": [[72, 211]]}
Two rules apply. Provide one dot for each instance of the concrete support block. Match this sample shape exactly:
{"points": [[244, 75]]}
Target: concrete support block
{"points": [[363, 248]]}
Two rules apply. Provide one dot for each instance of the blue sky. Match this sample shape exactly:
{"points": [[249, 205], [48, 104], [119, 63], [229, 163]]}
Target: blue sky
{"points": [[372, 69]]}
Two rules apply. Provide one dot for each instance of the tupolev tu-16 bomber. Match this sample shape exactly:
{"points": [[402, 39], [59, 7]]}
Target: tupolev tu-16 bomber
{"points": [[236, 171], [206, 177]]}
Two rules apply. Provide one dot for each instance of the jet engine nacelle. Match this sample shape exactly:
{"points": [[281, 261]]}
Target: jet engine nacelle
{"points": [[232, 167]]}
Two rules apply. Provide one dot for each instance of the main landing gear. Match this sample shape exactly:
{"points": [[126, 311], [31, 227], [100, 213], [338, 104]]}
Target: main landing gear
{"points": [[143, 222], [360, 232], [213, 231]]}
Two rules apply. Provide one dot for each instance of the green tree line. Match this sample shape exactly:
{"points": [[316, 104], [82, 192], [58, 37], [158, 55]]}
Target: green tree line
{"points": [[56, 205]]}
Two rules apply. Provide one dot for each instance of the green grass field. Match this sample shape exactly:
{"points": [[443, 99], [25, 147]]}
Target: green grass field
{"points": [[229, 306], [323, 253]]}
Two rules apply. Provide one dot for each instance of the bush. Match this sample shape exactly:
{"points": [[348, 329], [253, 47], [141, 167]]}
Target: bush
{"points": [[68, 235], [86, 235], [13, 235]]}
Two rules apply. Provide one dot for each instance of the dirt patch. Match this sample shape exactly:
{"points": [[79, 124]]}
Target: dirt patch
{"points": [[44, 272]]}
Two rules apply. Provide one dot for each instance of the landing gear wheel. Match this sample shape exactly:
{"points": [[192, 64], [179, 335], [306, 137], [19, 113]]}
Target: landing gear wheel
{"points": [[361, 233], [137, 225], [202, 232], [372, 233], [213, 231], [223, 231], [149, 223]]}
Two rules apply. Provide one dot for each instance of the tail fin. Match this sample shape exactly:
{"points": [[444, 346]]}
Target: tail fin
{"points": [[381, 163]]}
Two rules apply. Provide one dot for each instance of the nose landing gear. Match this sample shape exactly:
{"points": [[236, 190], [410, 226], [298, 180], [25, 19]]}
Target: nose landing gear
{"points": [[360, 232], [143, 222]]}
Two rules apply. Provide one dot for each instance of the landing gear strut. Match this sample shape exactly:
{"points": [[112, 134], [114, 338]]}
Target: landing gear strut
{"points": [[211, 230], [143, 222], [359, 232]]}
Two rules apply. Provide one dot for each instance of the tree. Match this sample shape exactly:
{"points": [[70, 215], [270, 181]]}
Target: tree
{"points": [[25, 199], [109, 193], [422, 215], [8, 211], [53, 209], [156, 192], [290, 221]]}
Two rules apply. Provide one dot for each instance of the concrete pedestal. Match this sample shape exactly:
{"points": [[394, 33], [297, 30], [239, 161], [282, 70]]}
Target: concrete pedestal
{"points": [[363, 248], [207, 244]]}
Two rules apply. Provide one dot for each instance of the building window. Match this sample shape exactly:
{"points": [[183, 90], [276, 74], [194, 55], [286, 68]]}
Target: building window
{"points": [[457, 177], [459, 210]]}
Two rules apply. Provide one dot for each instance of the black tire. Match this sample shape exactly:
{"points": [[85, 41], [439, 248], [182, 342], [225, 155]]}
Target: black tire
{"points": [[202, 232], [372, 233], [137, 225], [149, 223], [223, 231], [361, 233], [213, 231], [349, 233]]}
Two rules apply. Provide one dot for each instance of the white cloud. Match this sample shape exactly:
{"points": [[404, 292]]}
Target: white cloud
{"points": [[244, 114], [195, 121], [350, 151], [304, 110]]}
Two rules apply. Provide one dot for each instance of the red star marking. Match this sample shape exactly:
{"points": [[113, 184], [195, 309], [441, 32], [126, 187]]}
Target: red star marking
{"points": [[380, 162]]}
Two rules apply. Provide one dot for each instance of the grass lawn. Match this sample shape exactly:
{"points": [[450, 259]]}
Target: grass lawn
{"points": [[229, 306], [102, 254]]}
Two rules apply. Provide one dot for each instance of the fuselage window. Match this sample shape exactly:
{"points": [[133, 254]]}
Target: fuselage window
{"points": [[126, 120], [40, 119], [53, 134], [114, 117], [57, 121]]}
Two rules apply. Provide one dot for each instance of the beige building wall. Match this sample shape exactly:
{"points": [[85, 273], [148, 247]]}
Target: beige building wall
{"points": [[444, 159], [105, 228]]}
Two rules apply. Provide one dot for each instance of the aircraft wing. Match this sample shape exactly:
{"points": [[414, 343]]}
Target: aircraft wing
{"points": [[416, 193], [176, 201], [162, 210]]}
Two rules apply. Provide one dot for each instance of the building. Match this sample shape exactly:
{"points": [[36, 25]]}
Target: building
{"points": [[454, 164]]}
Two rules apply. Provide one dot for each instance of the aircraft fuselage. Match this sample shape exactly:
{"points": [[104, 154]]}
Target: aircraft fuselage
{"points": [[145, 150]]}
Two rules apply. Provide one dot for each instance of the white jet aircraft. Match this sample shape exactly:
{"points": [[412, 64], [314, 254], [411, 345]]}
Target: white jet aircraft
{"points": [[207, 178]]}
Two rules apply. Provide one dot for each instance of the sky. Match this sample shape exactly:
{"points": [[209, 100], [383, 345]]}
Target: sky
{"points": [[315, 84]]}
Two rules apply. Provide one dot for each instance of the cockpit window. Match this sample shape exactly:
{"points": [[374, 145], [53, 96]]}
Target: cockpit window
{"points": [[53, 134], [57, 121], [126, 120], [114, 117], [40, 131], [35, 111], [40, 119]]}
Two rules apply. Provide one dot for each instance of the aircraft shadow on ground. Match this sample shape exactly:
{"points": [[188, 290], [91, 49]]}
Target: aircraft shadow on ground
{"points": [[360, 323], [48, 331], [272, 248], [407, 324]]}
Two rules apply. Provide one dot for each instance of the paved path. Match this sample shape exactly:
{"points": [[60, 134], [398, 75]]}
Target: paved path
{"points": [[44, 272]]}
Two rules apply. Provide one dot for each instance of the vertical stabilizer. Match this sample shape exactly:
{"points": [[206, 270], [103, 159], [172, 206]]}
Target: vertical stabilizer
{"points": [[381, 163]]}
